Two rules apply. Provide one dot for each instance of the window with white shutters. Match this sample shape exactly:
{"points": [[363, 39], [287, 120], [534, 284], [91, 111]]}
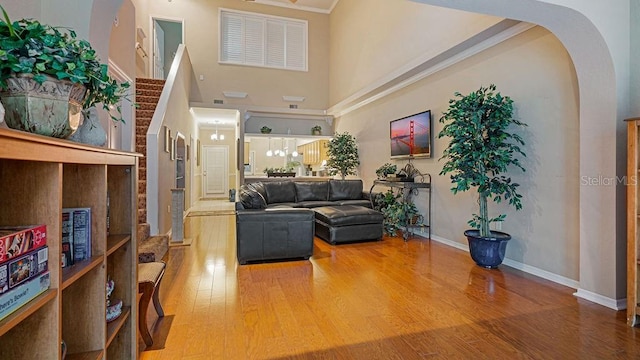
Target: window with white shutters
{"points": [[261, 40]]}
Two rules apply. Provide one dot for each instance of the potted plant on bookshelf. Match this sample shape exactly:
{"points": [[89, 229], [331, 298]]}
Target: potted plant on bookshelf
{"points": [[316, 130], [38, 62], [479, 154], [343, 155], [386, 169]]}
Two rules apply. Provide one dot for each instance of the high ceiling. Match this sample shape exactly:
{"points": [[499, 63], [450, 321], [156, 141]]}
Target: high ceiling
{"points": [[321, 6]]}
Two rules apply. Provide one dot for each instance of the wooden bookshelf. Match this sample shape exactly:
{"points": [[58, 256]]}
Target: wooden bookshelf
{"points": [[39, 176]]}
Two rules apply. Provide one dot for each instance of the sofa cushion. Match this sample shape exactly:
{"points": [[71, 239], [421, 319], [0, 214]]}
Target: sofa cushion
{"points": [[345, 190], [359, 202], [280, 192], [311, 191], [286, 205], [251, 198], [347, 215], [313, 204]]}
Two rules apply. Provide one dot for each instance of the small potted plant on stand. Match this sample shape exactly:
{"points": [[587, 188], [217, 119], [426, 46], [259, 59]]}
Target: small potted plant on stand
{"points": [[479, 153], [386, 169], [343, 155], [38, 63], [316, 130]]}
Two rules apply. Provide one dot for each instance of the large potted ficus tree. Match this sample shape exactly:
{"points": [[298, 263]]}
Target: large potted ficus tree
{"points": [[343, 155], [481, 150], [38, 62]]}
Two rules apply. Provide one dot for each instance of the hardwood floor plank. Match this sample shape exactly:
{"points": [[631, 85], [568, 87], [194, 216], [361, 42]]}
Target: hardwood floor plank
{"points": [[376, 300]]}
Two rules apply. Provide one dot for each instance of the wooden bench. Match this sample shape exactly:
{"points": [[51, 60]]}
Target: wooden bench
{"points": [[149, 278]]}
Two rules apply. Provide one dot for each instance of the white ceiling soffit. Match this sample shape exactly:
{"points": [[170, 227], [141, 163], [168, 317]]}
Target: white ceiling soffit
{"points": [[225, 118], [318, 6]]}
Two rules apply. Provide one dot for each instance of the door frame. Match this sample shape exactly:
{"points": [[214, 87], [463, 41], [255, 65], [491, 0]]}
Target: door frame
{"points": [[152, 24]]}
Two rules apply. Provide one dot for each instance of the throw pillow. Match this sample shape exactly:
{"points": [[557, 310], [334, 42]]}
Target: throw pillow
{"points": [[251, 199]]}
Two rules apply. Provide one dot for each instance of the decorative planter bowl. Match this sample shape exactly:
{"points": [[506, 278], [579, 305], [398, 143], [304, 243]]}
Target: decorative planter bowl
{"points": [[487, 252], [52, 108]]}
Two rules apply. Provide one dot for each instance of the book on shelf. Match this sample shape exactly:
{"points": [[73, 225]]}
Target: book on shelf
{"points": [[17, 240], [66, 257], [77, 231], [23, 268], [19, 296]]}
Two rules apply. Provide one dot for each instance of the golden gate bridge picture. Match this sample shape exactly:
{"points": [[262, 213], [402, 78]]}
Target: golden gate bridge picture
{"points": [[411, 136]]}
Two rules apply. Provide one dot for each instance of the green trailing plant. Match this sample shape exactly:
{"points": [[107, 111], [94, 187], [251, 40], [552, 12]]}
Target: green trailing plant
{"points": [[481, 150], [386, 169], [398, 214], [343, 155], [29, 47], [316, 129]]}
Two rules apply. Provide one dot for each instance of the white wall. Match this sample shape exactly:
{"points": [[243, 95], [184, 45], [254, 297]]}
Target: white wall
{"points": [[264, 86], [544, 89]]}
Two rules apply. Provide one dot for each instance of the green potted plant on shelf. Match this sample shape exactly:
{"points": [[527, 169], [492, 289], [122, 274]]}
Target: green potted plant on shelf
{"points": [[316, 130], [386, 169], [265, 130], [49, 60], [343, 155], [481, 150]]}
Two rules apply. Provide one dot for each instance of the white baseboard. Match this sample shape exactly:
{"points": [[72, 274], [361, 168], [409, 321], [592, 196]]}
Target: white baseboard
{"points": [[614, 304], [581, 293]]}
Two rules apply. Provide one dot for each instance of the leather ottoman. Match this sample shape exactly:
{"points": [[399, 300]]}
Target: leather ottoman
{"points": [[347, 223]]}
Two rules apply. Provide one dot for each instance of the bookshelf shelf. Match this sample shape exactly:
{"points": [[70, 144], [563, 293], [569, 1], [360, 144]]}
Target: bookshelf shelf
{"points": [[39, 177], [29, 308], [114, 326], [74, 272], [114, 242], [87, 355]]}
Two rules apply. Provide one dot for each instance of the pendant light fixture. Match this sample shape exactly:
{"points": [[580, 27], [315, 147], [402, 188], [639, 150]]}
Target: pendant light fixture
{"points": [[269, 152], [282, 148], [216, 136], [295, 148]]}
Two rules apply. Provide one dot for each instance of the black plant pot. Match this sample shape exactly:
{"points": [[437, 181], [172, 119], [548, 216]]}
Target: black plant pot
{"points": [[487, 252]]}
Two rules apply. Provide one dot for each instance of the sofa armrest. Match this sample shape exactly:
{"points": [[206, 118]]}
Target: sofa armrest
{"points": [[277, 233]]}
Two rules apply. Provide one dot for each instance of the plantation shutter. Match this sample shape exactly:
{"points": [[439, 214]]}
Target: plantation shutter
{"points": [[261, 40], [275, 43]]}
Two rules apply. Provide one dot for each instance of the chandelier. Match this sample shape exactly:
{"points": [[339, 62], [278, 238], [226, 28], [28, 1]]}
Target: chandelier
{"points": [[216, 136]]}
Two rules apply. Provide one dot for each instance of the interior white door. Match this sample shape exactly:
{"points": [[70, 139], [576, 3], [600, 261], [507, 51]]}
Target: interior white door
{"points": [[158, 51], [216, 171]]}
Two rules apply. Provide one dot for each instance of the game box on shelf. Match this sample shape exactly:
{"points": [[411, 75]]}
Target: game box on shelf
{"points": [[17, 297], [16, 240], [21, 269]]}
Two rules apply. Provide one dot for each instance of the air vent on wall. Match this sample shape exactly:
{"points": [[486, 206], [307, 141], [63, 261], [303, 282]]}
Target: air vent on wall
{"points": [[293, 106], [218, 101]]}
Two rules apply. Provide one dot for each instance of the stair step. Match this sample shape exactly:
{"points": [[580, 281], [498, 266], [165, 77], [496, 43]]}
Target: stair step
{"points": [[144, 113], [142, 216], [150, 81], [142, 186], [147, 99], [145, 122], [146, 106], [144, 230], [142, 201]]}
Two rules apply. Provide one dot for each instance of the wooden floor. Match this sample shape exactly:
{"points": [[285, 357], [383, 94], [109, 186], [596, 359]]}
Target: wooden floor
{"points": [[377, 300]]}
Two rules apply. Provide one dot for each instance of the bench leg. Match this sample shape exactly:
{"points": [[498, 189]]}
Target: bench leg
{"points": [[156, 297], [147, 291]]}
